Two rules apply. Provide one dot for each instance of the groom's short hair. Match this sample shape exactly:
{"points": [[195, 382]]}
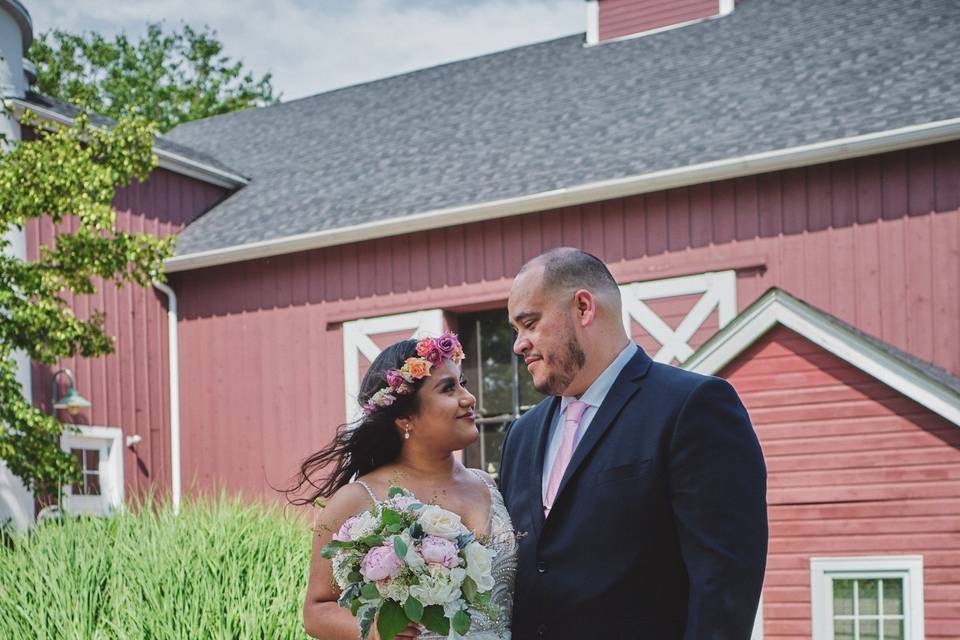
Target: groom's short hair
{"points": [[568, 269]]}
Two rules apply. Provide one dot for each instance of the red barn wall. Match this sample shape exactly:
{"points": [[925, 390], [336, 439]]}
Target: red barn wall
{"points": [[874, 241], [626, 17], [129, 388], [854, 469]]}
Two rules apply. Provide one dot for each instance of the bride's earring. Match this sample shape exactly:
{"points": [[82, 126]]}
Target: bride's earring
{"points": [[406, 434]]}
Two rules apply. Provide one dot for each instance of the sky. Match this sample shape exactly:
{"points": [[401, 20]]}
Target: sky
{"points": [[312, 46]]}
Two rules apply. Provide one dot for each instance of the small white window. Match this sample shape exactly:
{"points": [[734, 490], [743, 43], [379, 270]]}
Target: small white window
{"points": [[869, 598], [99, 454]]}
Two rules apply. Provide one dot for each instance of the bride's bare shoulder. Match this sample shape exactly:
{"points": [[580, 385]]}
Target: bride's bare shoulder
{"points": [[349, 500], [483, 475]]}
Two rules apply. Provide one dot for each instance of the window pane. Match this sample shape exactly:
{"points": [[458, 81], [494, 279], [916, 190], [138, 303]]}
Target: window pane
{"points": [[843, 597], [496, 348], [843, 630], [77, 487], [869, 630], [892, 629], [869, 597], [892, 597], [92, 462], [492, 441], [92, 484]]}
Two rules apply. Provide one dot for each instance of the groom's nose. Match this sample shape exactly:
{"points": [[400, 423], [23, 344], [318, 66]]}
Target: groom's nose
{"points": [[521, 344]]}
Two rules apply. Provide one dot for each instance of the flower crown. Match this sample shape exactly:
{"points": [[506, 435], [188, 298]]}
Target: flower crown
{"points": [[431, 352]]}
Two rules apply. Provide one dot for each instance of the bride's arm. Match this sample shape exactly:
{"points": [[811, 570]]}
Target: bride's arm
{"points": [[322, 617]]}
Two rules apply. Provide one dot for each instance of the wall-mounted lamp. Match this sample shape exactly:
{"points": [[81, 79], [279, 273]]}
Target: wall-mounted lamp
{"points": [[134, 439], [72, 401]]}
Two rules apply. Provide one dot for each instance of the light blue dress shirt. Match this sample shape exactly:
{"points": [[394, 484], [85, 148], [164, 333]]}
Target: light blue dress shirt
{"points": [[593, 396]]}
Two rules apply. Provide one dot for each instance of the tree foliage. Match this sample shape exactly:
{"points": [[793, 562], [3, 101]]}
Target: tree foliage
{"points": [[168, 78], [71, 175]]}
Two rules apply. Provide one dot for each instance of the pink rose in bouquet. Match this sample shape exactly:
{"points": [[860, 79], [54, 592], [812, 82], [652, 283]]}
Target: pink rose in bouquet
{"points": [[440, 551], [380, 563]]}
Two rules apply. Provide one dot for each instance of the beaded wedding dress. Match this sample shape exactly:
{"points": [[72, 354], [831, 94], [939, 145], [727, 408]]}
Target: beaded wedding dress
{"points": [[503, 541]]}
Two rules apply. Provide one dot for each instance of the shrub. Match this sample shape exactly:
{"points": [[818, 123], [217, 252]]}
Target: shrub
{"points": [[220, 569]]}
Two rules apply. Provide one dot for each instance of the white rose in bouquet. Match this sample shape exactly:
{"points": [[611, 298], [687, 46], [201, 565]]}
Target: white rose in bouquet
{"points": [[439, 585], [440, 522], [479, 565]]}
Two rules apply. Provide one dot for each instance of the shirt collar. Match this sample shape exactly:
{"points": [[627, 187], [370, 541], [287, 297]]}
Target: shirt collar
{"points": [[597, 391]]}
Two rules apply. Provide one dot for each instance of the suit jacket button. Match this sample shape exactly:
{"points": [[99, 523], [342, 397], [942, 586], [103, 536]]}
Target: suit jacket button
{"points": [[541, 567], [541, 630]]}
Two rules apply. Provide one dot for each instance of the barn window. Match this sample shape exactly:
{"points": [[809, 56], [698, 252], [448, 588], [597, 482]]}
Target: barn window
{"points": [[872, 598], [98, 451], [497, 377]]}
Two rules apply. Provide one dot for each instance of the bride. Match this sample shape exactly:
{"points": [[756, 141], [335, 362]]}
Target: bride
{"points": [[407, 439]]}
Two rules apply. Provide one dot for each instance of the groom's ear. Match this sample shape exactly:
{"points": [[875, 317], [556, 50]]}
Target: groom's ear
{"points": [[586, 306]]}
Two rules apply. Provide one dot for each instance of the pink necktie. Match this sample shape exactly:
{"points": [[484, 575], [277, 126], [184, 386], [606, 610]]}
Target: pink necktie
{"points": [[571, 422]]}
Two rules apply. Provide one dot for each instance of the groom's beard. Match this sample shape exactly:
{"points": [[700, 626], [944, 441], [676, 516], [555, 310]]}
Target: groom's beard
{"points": [[564, 368]]}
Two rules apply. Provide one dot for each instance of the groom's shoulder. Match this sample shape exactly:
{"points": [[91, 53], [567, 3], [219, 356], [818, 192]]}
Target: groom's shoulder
{"points": [[676, 381]]}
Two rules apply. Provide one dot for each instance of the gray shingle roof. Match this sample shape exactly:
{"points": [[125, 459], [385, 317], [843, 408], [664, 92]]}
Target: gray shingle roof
{"points": [[771, 75], [160, 142]]}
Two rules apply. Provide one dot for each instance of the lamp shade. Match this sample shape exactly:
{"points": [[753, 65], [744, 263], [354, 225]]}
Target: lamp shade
{"points": [[73, 402]]}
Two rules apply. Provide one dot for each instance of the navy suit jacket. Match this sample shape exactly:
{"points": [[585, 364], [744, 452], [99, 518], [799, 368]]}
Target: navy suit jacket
{"points": [[659, 529]]}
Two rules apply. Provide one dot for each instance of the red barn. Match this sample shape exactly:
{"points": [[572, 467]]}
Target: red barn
{"points": [[775, 184]]}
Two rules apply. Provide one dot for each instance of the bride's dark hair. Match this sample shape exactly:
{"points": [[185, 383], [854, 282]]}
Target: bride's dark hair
{"points": [[360, 447]]}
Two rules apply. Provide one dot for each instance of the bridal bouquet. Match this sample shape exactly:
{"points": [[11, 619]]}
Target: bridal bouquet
{"points": [[411, 563]]}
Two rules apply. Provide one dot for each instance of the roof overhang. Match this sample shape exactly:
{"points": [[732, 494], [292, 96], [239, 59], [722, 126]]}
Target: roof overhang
{"points": [[804, 155], [778, 307], [167, 159]]}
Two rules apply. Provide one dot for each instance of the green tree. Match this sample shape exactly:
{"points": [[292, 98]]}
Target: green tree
{"points": [[168, 78], [66, 172]]}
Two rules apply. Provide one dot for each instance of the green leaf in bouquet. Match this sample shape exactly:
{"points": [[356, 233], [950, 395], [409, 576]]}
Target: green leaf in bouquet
{"points": [[369, 592], [355, 606], [416, 531], [434, 620], [461, 622], [415, 506], [464, 539], [395, 528], [413, 608], [372, 540], [400, 547], [331, 548], [355, 576], [395, 491], [365, 617], [348, 595], [392, 620], [469, 588], [389, 516]]}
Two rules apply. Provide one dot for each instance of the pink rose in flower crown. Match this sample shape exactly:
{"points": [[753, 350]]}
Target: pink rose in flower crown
{"points": [[449, 346], [380, 563], [394, 379], [427, 349], [439, 551]]}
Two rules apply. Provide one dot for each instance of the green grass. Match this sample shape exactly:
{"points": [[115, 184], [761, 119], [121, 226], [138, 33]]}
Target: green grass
{"points": [[220, 569]]}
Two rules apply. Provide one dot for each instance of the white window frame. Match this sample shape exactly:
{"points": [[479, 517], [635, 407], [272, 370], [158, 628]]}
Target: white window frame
{"points": [[824, 570], [109, 441]]}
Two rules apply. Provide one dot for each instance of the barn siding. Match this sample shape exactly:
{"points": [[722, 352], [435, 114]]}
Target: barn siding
{"points": [[626, 17], [854, 468], [129, 389], [822, 233]]}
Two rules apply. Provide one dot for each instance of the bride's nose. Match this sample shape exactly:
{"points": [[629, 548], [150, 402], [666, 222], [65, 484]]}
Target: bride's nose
{"points": [[468, 400]]}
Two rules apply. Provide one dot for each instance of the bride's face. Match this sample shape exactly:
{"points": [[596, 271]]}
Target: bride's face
{"points": [[446, 419]]}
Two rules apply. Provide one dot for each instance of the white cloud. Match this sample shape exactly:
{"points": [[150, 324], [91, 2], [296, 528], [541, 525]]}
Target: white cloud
{"points": [[314, 46]]}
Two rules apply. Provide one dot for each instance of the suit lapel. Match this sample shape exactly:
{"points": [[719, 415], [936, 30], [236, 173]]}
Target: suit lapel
{"points": [[626, 385], [536, 470]]}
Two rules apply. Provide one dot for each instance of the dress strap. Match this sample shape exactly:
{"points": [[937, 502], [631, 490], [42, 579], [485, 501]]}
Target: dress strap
{"points": [[484, 478], [369, 491]]}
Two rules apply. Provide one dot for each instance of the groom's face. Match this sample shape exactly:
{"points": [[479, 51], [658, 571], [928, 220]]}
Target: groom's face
{"points": [[546, 333]]}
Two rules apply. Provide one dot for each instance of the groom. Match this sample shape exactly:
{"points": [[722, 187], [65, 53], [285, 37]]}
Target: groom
{"points": [[638, 489]]}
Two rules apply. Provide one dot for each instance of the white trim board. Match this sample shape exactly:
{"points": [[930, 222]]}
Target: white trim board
{"points": [[776, 160], [779, 307]]}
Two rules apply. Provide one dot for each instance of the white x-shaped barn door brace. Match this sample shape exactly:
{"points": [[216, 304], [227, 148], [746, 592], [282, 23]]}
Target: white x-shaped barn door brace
{"points": [[356, 341], [719, 289]]}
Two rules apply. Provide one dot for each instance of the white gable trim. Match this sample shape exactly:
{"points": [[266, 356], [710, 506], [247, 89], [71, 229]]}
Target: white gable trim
{"points": [[778, 307]]}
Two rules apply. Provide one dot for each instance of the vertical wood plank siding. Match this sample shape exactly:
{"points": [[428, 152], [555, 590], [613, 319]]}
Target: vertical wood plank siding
{"points": [[626, 17], [261, 343], [129, 389], [854, 469]]}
